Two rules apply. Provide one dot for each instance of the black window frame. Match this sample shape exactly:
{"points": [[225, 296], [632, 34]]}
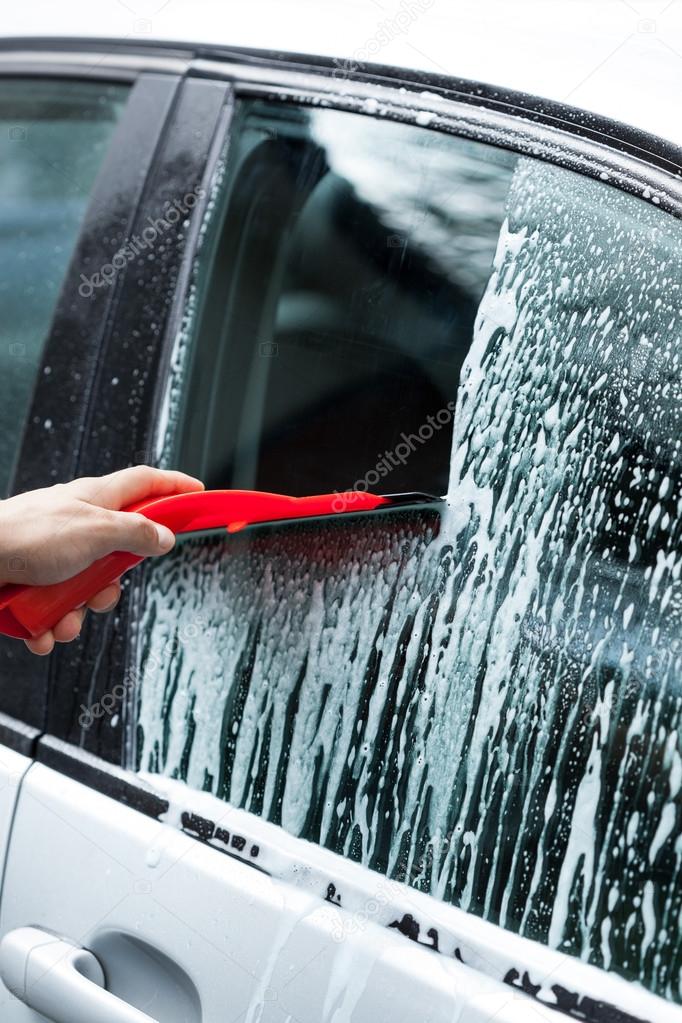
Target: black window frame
{"points": [[83, 328]]}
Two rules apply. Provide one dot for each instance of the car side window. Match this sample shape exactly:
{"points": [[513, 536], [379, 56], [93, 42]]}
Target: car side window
{"points": [[339, 304], [53, 135], [481, 702]]}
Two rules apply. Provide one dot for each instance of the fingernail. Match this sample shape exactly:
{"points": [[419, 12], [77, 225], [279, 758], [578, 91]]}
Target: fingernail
{"points": [[166, 538]]}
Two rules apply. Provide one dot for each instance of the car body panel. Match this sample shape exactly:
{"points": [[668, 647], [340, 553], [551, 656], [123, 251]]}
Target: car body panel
{"points": [[254, 948], [13, 767]]}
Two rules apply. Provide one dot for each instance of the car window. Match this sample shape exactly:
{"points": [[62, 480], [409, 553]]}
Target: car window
{"points": [[53, 135], [339, 304], [482, 702]]}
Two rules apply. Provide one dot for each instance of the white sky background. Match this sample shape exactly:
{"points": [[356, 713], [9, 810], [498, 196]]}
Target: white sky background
{"points": [[622, 58]]}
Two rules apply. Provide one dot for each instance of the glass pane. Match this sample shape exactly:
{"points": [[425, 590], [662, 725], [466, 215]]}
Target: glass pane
{"points": [[487, 704], [53, 136], [339, 305]]}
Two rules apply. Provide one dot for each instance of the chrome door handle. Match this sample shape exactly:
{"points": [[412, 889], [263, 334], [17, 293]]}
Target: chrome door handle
{"points": [[60, 980]]}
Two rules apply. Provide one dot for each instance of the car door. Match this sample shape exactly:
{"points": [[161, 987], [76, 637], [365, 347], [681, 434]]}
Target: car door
{"points": [[402, 766]]}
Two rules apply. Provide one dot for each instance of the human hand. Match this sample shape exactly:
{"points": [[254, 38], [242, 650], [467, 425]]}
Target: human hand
{"points": [[49, 535]]}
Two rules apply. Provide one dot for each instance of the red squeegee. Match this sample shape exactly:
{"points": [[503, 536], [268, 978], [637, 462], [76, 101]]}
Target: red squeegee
{"points": [[27, 611]]}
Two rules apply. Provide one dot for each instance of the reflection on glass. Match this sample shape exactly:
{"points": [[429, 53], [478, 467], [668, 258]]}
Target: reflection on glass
{"points": [[339, 305], [53, 136]]}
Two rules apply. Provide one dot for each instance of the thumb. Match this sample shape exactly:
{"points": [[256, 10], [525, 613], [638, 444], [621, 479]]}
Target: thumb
{"points": [[128, 531]]}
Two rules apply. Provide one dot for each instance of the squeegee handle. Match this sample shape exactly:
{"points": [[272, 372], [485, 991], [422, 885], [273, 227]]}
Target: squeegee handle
{"points": [[27, 611], [38, 608]]}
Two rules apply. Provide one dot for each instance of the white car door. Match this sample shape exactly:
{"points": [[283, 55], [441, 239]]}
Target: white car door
{"points": [[418, 765], [13, 767], [184, 933]]}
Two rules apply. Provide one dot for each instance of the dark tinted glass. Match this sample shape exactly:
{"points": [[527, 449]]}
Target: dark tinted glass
{"points": [[53, 136], [339, 305]]}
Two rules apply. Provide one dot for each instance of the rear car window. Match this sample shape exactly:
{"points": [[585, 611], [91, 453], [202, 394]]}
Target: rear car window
{"points": [[53, 136], [482, 702]]}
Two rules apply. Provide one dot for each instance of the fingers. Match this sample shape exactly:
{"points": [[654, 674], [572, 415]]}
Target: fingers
{"points": [[107, 599], [70, 626], [128, 531], [41, 645], [119, 489], [64, 631]]}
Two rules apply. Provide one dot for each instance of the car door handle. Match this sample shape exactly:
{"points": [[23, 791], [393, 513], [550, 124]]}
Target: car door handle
{"points": [[60, 980]]}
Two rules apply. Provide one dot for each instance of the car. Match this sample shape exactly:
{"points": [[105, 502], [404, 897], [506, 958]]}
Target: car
{"points": [[419, 763]]}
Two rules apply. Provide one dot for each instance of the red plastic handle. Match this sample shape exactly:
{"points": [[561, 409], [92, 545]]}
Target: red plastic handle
{"points": [[27, 611]]}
